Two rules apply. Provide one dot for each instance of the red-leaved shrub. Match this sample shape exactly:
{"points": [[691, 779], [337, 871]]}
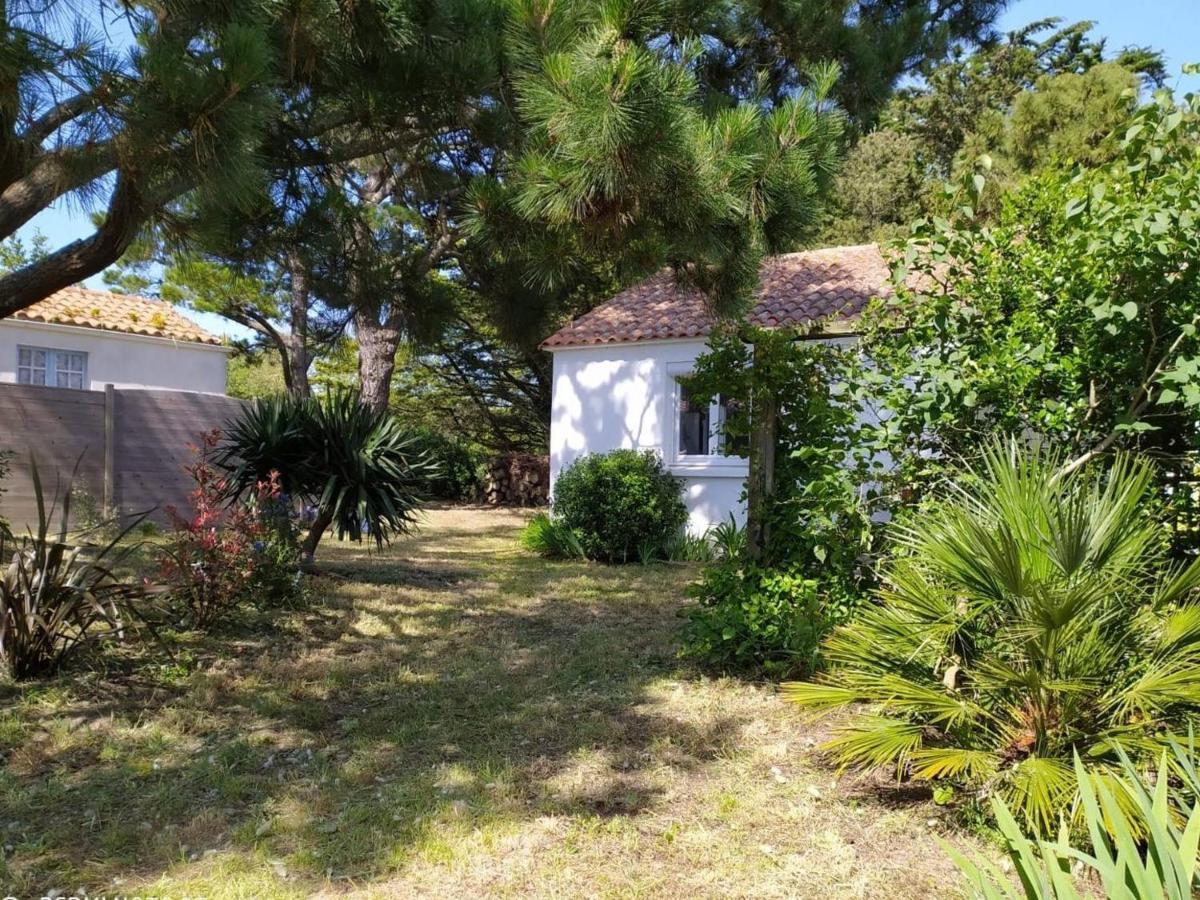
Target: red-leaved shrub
{"points": [[218, 553]]}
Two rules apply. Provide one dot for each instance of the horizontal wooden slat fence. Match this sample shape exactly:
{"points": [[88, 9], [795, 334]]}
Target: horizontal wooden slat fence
{"points": [[126, 447]]}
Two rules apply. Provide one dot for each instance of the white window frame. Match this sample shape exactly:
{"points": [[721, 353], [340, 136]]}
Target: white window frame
{"points": [[713, 463], [52, 366]]}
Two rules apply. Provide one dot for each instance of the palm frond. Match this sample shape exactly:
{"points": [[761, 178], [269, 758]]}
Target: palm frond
{"points": [[1023, 619]]}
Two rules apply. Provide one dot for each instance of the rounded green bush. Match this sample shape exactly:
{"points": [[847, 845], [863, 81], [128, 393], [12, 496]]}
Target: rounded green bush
{"points": [[619, 502]]}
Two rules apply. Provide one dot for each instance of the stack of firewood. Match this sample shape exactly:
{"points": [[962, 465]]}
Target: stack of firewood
{"points": [[517, 479]]}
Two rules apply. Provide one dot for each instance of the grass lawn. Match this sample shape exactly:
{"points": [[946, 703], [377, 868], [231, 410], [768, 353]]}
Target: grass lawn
{"points": [[453, 718]]}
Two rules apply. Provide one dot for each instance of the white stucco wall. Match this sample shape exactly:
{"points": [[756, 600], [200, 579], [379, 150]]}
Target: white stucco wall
{"points": [[122, 360], [623, 396]]}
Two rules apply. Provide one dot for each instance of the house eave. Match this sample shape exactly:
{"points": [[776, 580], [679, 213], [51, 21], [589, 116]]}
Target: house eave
{"points": [[81, 330], [840, 328]]}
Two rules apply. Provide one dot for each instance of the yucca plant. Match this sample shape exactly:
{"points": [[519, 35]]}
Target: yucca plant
{"points": [[1028, 616], [1143, 839], [55, 596], [361, 470]]}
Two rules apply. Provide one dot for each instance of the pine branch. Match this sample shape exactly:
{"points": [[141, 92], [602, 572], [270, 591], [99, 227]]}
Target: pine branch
{"points": [[128, 210], [54, 175], [56, 117]]}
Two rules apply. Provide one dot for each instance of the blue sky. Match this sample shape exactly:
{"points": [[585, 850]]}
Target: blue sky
{"points": [[1172, 26]]}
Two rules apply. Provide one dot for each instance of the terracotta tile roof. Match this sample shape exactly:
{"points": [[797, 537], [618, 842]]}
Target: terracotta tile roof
{"points": [[795, 289], [116, 312]]}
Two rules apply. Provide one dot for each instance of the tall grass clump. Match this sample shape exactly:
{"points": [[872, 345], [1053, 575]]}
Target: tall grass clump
{"points": [[1142, 830]]}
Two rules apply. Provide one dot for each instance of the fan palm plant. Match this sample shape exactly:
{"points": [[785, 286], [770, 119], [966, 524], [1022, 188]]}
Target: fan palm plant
{"points": [[361, 470], [1029, 616]]}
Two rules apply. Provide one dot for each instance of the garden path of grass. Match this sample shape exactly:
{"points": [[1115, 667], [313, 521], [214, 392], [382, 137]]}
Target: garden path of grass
{"points": [[453, 718]]}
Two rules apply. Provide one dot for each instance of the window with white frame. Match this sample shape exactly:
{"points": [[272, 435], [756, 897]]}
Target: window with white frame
{"points": [[700, 429], [54, 368]]}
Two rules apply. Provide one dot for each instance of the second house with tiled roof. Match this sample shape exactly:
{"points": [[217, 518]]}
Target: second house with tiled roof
{"points": [[81, 339], [617, 369]]}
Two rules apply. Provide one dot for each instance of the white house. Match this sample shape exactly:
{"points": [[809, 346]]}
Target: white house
{"points": [[85, 339], [617, 368]]}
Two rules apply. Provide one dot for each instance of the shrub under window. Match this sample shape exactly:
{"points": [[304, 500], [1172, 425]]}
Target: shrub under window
{"points": [[619, 502]]}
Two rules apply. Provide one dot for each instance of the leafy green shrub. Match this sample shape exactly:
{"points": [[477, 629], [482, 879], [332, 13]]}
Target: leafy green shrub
{"points": [[618, 502], [56, 598], [1143, 840], [550, 537], [769, 606], [360, 470], [1030, 615], [752, 617], [458, 469], [88, 509], [277, 576]]}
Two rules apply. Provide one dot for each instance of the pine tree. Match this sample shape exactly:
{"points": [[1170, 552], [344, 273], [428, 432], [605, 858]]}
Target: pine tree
{"points": [[542, 140], [130, 108]]}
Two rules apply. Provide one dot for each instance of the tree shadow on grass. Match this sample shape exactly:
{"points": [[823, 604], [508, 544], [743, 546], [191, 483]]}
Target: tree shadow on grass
{"points": [[345, 737]]}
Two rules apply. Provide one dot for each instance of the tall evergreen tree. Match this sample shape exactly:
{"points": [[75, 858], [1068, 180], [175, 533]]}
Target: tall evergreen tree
{"points": [[538, 136], [131, 106], [1048, 92]]}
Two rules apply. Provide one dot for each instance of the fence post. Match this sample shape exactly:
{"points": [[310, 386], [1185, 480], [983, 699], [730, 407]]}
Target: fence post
{"points": [[110, 468]]}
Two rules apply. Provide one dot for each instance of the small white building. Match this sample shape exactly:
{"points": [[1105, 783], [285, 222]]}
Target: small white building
{"points": [[617, 368], [83, 339]]}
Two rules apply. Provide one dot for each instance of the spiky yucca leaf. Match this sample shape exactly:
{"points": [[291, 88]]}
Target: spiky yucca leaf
{"points": [[1143, 839], [1027, 616], [57, 596], [362, 470]]}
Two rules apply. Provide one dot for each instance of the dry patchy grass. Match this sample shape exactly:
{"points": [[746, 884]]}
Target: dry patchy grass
{"points": [[451, 717]]}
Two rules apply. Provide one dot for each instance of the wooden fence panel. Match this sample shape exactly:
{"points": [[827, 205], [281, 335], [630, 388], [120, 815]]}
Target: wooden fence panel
{"points": [[63, 431], [127, 450], [154, 433]]}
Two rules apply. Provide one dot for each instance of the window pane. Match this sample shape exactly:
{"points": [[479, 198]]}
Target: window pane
{"points": [[693, 425], [31, 365], [76, 381], [68, 362]]}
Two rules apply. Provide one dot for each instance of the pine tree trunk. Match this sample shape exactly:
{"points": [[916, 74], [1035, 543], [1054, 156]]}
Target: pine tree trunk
{"points": [[298, 356], [377, 346]]}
